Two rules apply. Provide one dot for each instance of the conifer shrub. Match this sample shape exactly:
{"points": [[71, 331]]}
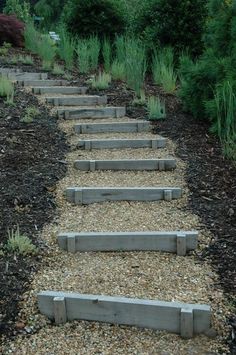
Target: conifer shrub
{"points": [[93, 17], [175, 23], [11, 30]]}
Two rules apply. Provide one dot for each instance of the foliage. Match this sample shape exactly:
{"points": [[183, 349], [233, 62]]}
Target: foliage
{"points": [[101, 81], [118, 70], [32, 37], [83, 56], [107, 54], [141, 100], [6, 88], [120, 49], [208, 84], [26, 59], [20, 244], [58, 69], [11, 30], [90, 17], [30, 114], [18, 8], [135, 62], [50, 11], [66, 48], [178, 24], [156, 108], [5, 48], [163, 69], [94, 48]]}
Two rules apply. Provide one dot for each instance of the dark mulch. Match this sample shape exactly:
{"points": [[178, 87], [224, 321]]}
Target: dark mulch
{"points": [[30, 166]]}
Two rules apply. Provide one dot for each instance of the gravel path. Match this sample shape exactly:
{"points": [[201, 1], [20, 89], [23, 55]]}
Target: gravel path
{"points": [[151, 275]]}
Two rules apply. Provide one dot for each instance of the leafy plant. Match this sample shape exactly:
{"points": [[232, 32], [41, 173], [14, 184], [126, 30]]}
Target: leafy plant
{"points": [[5, 48], [141, 100], [18, 8], [6, 89], [83, 56], [101, 81], [32, 37], [163, 69], [30, 114], [100, 17], [106, 52], [179, 24], [58, 69], [11, 30], [94, 49], [135, 62], [66, 48], [26, 59], [20, 244], [118, 70], [156, 108]]}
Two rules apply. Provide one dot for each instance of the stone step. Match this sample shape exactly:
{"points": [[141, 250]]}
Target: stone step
{"points": [[77, 101], [90, 112], [172, 242], [119, 127], [27, 76], [181, 318], [121, 143], [42, 83], [64, 90], [88, 195], [125, 164]]}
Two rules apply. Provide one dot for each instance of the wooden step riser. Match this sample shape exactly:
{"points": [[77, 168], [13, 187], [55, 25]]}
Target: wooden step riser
{"points": [[106, 112], [63, 90], [88, 195], [27, 76], [77, 101], [42, 83], [171, 242], [122, 144], [140, 165], [121, 127], [180, 318]]}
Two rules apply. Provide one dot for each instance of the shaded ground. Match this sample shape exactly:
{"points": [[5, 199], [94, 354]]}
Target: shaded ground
{"points": [[30, 168]]}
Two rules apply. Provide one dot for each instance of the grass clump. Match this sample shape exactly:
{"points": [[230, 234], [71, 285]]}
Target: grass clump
{"points": [[94, 49], [30, 114], [19, 243], [26, 59], [106, 53], [141, 100], [4, 49], [156, 108], [135, 64], [6, 89], [58, 69], [163, 69], [83, 56], [101, 81], [66, 49], [118, 70]]}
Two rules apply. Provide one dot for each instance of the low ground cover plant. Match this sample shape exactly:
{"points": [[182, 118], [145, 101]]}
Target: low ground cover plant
{"points": [[6, 89], [101, 81], [19, 243], [155, 108], [30, 114]]}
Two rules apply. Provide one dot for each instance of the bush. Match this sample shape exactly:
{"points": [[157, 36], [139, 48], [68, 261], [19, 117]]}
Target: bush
{"points": [[20, 244], [50, 11], [178, 24], [163, 69], [18, 8], [66, 48], [93, 17], [6, 88], [156, 109], [207, 85], [11, 31]]}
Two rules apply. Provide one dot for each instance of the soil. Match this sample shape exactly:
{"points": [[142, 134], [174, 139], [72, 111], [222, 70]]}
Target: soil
{"points": [[30, 155], [32, 162]]}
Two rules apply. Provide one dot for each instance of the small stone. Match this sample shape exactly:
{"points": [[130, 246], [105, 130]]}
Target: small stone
{"points": [[211, 333]]}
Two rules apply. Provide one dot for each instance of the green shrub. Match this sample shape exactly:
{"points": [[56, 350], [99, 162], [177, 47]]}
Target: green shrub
{"points": [[6, 88], [101, 17], [26, 59], [66, 48], [120, 49], [207, 85], [135, 62], [46, 50], [32, 37], [163, 69], [156, 108], [118, 70], [30, 114], [19, 8], [83, 56], [50, 11], [58, 69], [107, 54], [94, 49], [19, 243], [178, 24], [141, 100], [101, 81]]}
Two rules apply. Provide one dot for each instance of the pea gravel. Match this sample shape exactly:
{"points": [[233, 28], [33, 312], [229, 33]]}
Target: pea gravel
{"points": [[150, 275]]}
